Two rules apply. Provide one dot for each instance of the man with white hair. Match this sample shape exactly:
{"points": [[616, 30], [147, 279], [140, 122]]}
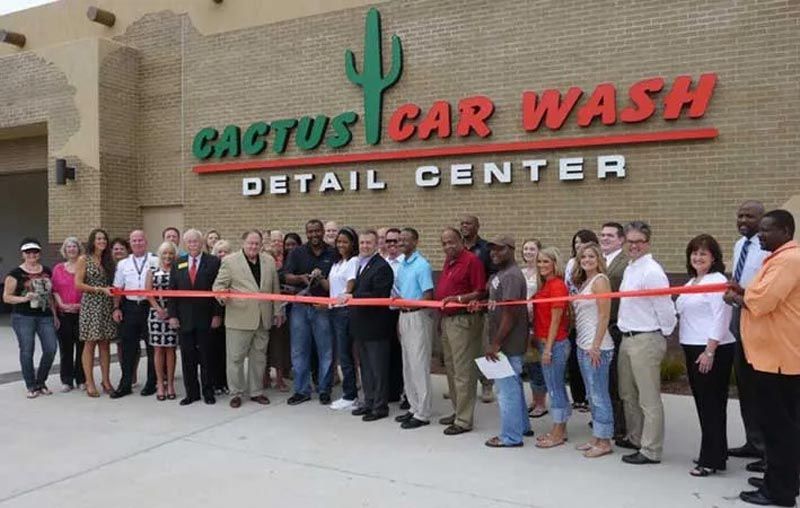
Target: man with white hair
{"points": [[194, 318], [331, 232], [131, 312]]}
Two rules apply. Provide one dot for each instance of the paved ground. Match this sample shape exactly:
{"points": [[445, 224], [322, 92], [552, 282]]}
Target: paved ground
{"points": [[71, 451]]}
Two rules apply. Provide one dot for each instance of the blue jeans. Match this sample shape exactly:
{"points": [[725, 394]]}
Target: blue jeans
{"points": [[554, 378], [536, 377], [514, 420], [340, 323], [26, 328], [309, 324], [596, 381]]}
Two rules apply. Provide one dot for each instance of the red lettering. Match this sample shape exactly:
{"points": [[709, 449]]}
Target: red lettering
{"points": [[680, 95], [643, 105], [437, 119], [473, 114], [400, 127], [602, 103], [550, 108]]}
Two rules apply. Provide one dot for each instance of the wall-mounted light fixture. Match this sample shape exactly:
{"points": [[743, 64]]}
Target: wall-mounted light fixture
{"points": [[101, 16], [64, 172], [14, 38]]}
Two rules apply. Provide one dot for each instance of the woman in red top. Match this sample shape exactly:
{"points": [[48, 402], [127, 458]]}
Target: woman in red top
{"points": [[551, 330]]}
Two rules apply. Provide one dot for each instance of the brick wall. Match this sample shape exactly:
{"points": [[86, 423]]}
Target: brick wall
{"points": [[453, 49], [23, 155]]}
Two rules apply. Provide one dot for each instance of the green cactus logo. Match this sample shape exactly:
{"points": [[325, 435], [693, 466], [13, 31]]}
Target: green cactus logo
{"points": [[371, 78]]}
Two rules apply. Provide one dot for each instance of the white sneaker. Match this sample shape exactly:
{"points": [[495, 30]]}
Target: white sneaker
{"points": [[342, 404]]}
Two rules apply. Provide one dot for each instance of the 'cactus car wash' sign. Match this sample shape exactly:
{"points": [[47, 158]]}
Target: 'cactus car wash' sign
{"points": [[469, 118]]}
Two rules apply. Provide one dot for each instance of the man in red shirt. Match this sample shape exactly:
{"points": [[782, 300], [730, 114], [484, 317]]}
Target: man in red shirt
{"points": [[463, 280]]}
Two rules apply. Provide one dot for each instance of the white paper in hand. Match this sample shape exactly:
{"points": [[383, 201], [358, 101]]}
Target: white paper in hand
{"points": [[495, 370]]}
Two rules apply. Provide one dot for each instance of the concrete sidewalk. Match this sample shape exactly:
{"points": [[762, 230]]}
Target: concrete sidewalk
{"points": [[68, 450]]}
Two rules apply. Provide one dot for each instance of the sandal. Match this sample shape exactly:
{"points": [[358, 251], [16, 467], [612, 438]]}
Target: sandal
{"points": [[537, 412], [44, 390], [702, 472], [32, 394], [108, 389], [495, 442], [597, 451], [585, 447], [550, 442], [93, 393]]}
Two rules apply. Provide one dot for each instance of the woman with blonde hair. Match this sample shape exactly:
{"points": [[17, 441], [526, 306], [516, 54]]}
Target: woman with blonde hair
{"points": [[162, 337], [594, 346], [551, 331], [533, 367], [212, 237]]}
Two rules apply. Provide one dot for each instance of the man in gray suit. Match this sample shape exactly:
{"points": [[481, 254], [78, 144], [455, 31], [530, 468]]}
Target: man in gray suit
{"points": [[247, 322], [611, 239]]}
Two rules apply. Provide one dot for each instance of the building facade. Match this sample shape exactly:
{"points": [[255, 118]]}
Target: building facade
{"points": [[539, 117]]}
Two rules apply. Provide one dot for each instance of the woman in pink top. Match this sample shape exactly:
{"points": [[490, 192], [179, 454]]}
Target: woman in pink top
{"points": [[68, 304]]}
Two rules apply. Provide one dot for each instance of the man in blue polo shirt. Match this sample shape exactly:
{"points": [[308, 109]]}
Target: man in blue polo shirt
{"points": [[414, 281]]}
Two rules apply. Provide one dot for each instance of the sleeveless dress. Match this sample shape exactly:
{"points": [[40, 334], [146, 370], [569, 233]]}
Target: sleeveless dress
{"points": [[95, 321], [160, 334], [586, 316]]}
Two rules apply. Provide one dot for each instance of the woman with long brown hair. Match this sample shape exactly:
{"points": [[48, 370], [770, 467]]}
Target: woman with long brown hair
{"points": [[94, 274]]}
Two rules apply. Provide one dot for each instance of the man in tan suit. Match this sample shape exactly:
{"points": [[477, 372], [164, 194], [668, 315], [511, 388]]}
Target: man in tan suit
{"points": [[247, 322], [611, 239]]}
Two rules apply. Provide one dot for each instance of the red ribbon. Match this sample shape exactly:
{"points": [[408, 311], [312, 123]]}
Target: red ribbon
{"points": [[401, 302]]}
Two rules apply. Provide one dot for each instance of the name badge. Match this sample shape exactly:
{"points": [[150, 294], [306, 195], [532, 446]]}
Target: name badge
{"points": [[183, 265]]}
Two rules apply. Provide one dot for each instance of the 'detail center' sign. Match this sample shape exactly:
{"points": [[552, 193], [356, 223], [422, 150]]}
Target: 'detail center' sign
{"points": [[469, 118]]}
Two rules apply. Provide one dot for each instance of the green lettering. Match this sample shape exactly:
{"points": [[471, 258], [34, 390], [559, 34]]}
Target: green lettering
{"points": [[228, 144], [282, 129], [253, 142], [310, 131], [341, 127], [201, 146]]}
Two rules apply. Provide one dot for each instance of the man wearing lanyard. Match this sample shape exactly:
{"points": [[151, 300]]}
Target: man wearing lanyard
{"points": [[132, 312], [748, 256], [462, 280]]}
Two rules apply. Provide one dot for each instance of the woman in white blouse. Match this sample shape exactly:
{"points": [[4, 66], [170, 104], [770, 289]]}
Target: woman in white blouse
{"points": [[341, 280], [708, 345]]}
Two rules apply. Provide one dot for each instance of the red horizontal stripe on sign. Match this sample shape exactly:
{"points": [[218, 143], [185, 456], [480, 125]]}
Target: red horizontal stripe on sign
{"points": [[399, 302], [447, 151]]}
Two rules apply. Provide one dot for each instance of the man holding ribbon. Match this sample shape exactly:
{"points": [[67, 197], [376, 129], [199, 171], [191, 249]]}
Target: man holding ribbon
{"points": [[195, 317], [132, 312], [748, 256]]}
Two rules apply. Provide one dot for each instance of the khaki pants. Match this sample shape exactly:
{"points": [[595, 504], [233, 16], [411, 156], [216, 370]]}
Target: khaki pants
{"points": [[461, 344], [416, 338], [250, 344], [639, 370]]}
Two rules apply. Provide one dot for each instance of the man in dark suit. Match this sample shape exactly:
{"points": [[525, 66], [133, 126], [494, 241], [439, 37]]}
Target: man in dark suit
{"points": [[371, 327], [611, 239], [195, 317]]}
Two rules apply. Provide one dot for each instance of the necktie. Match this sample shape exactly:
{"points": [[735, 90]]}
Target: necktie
{"points": [[737, 274], [193, 270]]}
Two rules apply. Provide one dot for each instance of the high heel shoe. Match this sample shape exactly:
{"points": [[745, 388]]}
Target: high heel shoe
{"points": [[92, 392], [107, 388]]}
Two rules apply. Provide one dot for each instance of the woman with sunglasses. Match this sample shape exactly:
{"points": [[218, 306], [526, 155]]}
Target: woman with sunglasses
{"points": [[29, 290]]}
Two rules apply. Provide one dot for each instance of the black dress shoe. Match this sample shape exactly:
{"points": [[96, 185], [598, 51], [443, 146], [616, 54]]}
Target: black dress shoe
{"points": [[404, 404], [298, 398], [148, 390], [325, 399], [448, 420], [404, 417], [359, 411], [528, 433], [747, 451], [188, 400], [371, 417], [625, 443], [209, 399], [413, 423], [759, 466], [756, 482], [638, 459], [759, 498], [117, 394]]}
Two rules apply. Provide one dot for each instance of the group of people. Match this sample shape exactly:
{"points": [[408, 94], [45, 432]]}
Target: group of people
{"points": [[609, 350]]}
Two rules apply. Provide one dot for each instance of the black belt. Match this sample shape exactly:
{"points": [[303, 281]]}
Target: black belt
{"points": [[140, 303], [633, 334], [406, 311]]}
